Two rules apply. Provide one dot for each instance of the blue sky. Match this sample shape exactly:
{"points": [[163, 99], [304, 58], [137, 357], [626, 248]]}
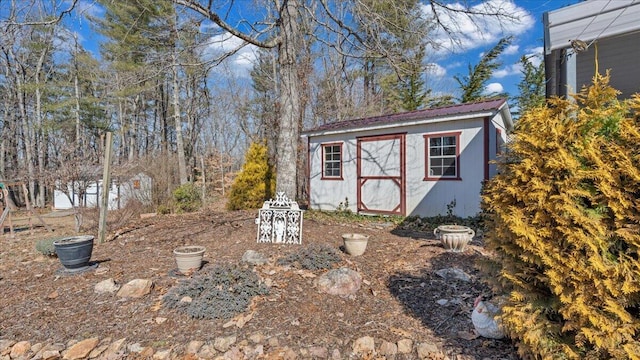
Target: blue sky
{"points": [[527, 30], [445, 62]]}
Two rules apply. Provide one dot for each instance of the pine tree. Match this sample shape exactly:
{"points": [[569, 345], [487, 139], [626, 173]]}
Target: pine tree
{"points": [[564, 222], [532, 86], [473, 85]]}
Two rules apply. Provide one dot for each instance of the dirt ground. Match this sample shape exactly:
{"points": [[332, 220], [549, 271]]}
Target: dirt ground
{"points": [[398, 299]]}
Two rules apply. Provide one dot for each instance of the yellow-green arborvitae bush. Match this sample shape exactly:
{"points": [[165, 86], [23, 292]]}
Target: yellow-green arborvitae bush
{"points": [[563, 220], [256, 181]]}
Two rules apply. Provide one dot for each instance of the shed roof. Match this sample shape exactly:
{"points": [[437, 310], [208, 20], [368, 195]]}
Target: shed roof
{"points": [[437, 114]]}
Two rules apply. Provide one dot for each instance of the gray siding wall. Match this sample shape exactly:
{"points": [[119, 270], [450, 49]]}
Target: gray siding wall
{"points": [[620, 54]]}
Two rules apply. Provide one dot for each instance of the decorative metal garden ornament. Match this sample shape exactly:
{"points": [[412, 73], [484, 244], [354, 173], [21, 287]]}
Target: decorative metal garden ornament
{"points": [[280, 221]]}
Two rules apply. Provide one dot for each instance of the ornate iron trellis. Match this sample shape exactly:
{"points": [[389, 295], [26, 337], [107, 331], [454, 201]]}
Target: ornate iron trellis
{"points": [[280, 221]]}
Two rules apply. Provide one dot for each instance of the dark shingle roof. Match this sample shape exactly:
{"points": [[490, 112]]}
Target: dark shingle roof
{"points": [[432, 113]]}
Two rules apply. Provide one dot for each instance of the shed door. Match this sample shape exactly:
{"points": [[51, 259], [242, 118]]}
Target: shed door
{"points": [[381, 174]]}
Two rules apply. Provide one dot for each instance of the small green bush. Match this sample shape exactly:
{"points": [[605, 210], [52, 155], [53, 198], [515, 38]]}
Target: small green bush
{"points": [[45, 247], [221, 292], [187, 198], [163, 209]]}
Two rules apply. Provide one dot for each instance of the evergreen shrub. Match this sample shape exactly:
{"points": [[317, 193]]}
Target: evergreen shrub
{"points": [[187, 198], [563, 220], [256, 181]]}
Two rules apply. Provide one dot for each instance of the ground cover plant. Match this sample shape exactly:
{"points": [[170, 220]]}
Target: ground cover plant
{"points": [[220, 292]]}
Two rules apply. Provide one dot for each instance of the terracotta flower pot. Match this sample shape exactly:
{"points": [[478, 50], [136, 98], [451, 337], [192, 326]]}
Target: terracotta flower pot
{"points": [[189, 258], [355, 244], [454, 237], [74, 252]]}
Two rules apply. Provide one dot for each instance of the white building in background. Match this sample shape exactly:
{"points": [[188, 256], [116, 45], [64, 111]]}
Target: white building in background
{"points": [[137, 187]]}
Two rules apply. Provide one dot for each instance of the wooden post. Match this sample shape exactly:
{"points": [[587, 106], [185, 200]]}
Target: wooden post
{"points": [[106, 180]]}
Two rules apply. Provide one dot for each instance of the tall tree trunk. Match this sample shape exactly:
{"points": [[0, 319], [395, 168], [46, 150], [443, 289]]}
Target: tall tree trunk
{"points": [[133, 131], [26, 130], [290, 111], [76, 90], [39, 133], [182, 166]]}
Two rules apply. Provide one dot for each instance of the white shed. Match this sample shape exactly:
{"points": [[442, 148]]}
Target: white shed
{"points": [[422, 162], [137, 187]]}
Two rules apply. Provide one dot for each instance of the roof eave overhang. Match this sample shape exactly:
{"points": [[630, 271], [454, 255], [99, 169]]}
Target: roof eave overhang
{"points": [[413, 122]]}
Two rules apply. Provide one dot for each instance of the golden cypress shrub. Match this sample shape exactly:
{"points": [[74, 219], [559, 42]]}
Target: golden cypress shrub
{"points": [[256, 181], [563, 220]]}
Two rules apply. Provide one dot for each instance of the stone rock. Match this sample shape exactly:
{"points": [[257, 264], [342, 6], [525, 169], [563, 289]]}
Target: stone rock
{"points": [[207, 352], [405, 346], [81, 349], [273, 342], [342, 282], [162, 354], [5, 346], [146, 353], [51, 355], [186, 299], [257, 338], [388, 349], [428, 351], [319, 352], [254, 258], [465, 357], [453, 273], [256, 352], [113, 351], [234, 354], [335, 354], [98, 350], [20, 348], [281, 353], [106, 286], [57, 346], [136, 288], [223, 344], [194, 346], [135, 348], [364, 345], [35, 348], [160, 320]]}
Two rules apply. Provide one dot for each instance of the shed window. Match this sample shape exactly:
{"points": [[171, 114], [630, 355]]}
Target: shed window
{"points": [[332, 161], [442, 156]]}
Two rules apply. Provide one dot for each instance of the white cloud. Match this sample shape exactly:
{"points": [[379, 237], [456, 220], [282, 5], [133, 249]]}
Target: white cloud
{"points": [[89, 8], [514, 69], [494, 88], [468, 31], [436, 70], [535, 55], [511, 49], [242, 57]]}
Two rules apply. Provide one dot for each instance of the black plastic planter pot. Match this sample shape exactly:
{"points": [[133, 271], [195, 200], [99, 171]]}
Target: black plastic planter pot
{"points": [[74, 252]]}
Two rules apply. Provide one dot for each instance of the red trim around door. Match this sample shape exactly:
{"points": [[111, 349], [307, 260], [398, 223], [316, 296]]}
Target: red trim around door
{"points": [[400, 180]]}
